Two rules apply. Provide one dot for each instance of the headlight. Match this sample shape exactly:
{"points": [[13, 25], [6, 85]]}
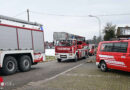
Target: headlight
{"points": [[71, 54], [2, 84]]}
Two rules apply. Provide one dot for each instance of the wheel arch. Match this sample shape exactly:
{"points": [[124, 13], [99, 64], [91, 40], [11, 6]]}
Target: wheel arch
{"points": [[102, 61]]}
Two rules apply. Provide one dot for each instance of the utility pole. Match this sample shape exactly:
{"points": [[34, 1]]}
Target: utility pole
{"points": [[28, 15]]}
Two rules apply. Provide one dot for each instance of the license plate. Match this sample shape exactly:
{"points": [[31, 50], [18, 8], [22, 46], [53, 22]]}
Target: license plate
{"points": [[63, 56]]}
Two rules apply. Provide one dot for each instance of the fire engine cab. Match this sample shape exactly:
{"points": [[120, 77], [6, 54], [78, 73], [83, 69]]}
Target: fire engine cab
{"points": [[69, 46]]}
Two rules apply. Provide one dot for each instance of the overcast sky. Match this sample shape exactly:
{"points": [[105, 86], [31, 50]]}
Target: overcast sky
{"points": [[84, 26]]}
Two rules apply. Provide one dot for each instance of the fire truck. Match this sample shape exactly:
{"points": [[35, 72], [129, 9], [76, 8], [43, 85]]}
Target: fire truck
{"points": [[69, 46], [20, 45], [92, 51]]}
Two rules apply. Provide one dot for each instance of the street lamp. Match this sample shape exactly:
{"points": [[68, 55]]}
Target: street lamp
{"points": [[99, 21]]}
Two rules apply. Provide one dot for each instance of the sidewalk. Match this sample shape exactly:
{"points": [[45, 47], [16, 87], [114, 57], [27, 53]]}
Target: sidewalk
{"points": [[85, 77]]}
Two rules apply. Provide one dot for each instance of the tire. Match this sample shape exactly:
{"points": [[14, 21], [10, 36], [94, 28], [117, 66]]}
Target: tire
{"points": [[85, 56], [103, 66], [76, 58], [9, 65], [98, 66], [90, 54], [25, 63], [58, 60]]}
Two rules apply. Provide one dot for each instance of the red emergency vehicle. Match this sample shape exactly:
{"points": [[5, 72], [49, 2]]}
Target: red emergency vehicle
{"points": [[21, 45], [69, 46], [114, 55], [92, 51], [1, 82]]}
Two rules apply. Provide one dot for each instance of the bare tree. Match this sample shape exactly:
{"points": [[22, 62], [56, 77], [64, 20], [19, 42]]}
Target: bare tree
{"points": [[109, 31]]}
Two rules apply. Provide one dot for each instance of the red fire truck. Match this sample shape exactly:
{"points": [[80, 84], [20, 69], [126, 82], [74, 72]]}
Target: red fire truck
{"points": [[20, 45], [92, 51], [69, 46]]}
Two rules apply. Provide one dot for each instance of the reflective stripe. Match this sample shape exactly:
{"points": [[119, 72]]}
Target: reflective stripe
{"points": [[106, 56]]}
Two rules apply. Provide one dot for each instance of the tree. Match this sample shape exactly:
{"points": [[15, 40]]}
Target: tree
{"points": [[109, 31]]}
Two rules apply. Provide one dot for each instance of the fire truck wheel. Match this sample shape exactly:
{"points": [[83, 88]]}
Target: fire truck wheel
{"points": [[24, 63], [59, 60], [85, 57], [103, 66], [9, 65]]}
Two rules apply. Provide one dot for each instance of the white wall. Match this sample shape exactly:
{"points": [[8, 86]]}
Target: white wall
{"points": [[50, 52]]}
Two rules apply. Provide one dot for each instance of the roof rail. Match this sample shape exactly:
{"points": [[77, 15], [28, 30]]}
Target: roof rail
{"points": [[19, 20]]}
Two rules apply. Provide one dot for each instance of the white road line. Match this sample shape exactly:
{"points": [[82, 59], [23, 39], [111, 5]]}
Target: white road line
{"points": [[48, 79]]}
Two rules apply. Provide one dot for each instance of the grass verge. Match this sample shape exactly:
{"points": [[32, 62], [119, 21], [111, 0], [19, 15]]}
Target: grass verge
{"points": [[50, 58]]}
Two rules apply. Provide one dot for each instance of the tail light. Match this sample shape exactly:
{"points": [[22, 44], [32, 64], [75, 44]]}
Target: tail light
{"points": [[2, 84]]}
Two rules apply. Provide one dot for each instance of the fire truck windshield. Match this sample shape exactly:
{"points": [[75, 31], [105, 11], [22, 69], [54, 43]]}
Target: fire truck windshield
{"points": [[64, 43]]}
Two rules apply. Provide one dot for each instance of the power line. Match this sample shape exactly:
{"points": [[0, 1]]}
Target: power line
{"points": [[62, 15], [115, 14], [41, 13], [19, 14]]}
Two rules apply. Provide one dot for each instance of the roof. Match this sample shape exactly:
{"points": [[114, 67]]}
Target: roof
{"points": [[20, 27], [126, 40]]}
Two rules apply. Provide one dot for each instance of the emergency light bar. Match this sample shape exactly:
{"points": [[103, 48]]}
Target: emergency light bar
{"points": [[123, 38]]}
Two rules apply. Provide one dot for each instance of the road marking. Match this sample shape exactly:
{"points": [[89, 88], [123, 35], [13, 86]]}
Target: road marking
{"points": [[48, 79]]}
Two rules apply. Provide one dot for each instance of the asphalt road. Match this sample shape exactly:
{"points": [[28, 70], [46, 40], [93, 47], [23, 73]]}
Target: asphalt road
{"points": [[84, 76], [38, 72]]}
